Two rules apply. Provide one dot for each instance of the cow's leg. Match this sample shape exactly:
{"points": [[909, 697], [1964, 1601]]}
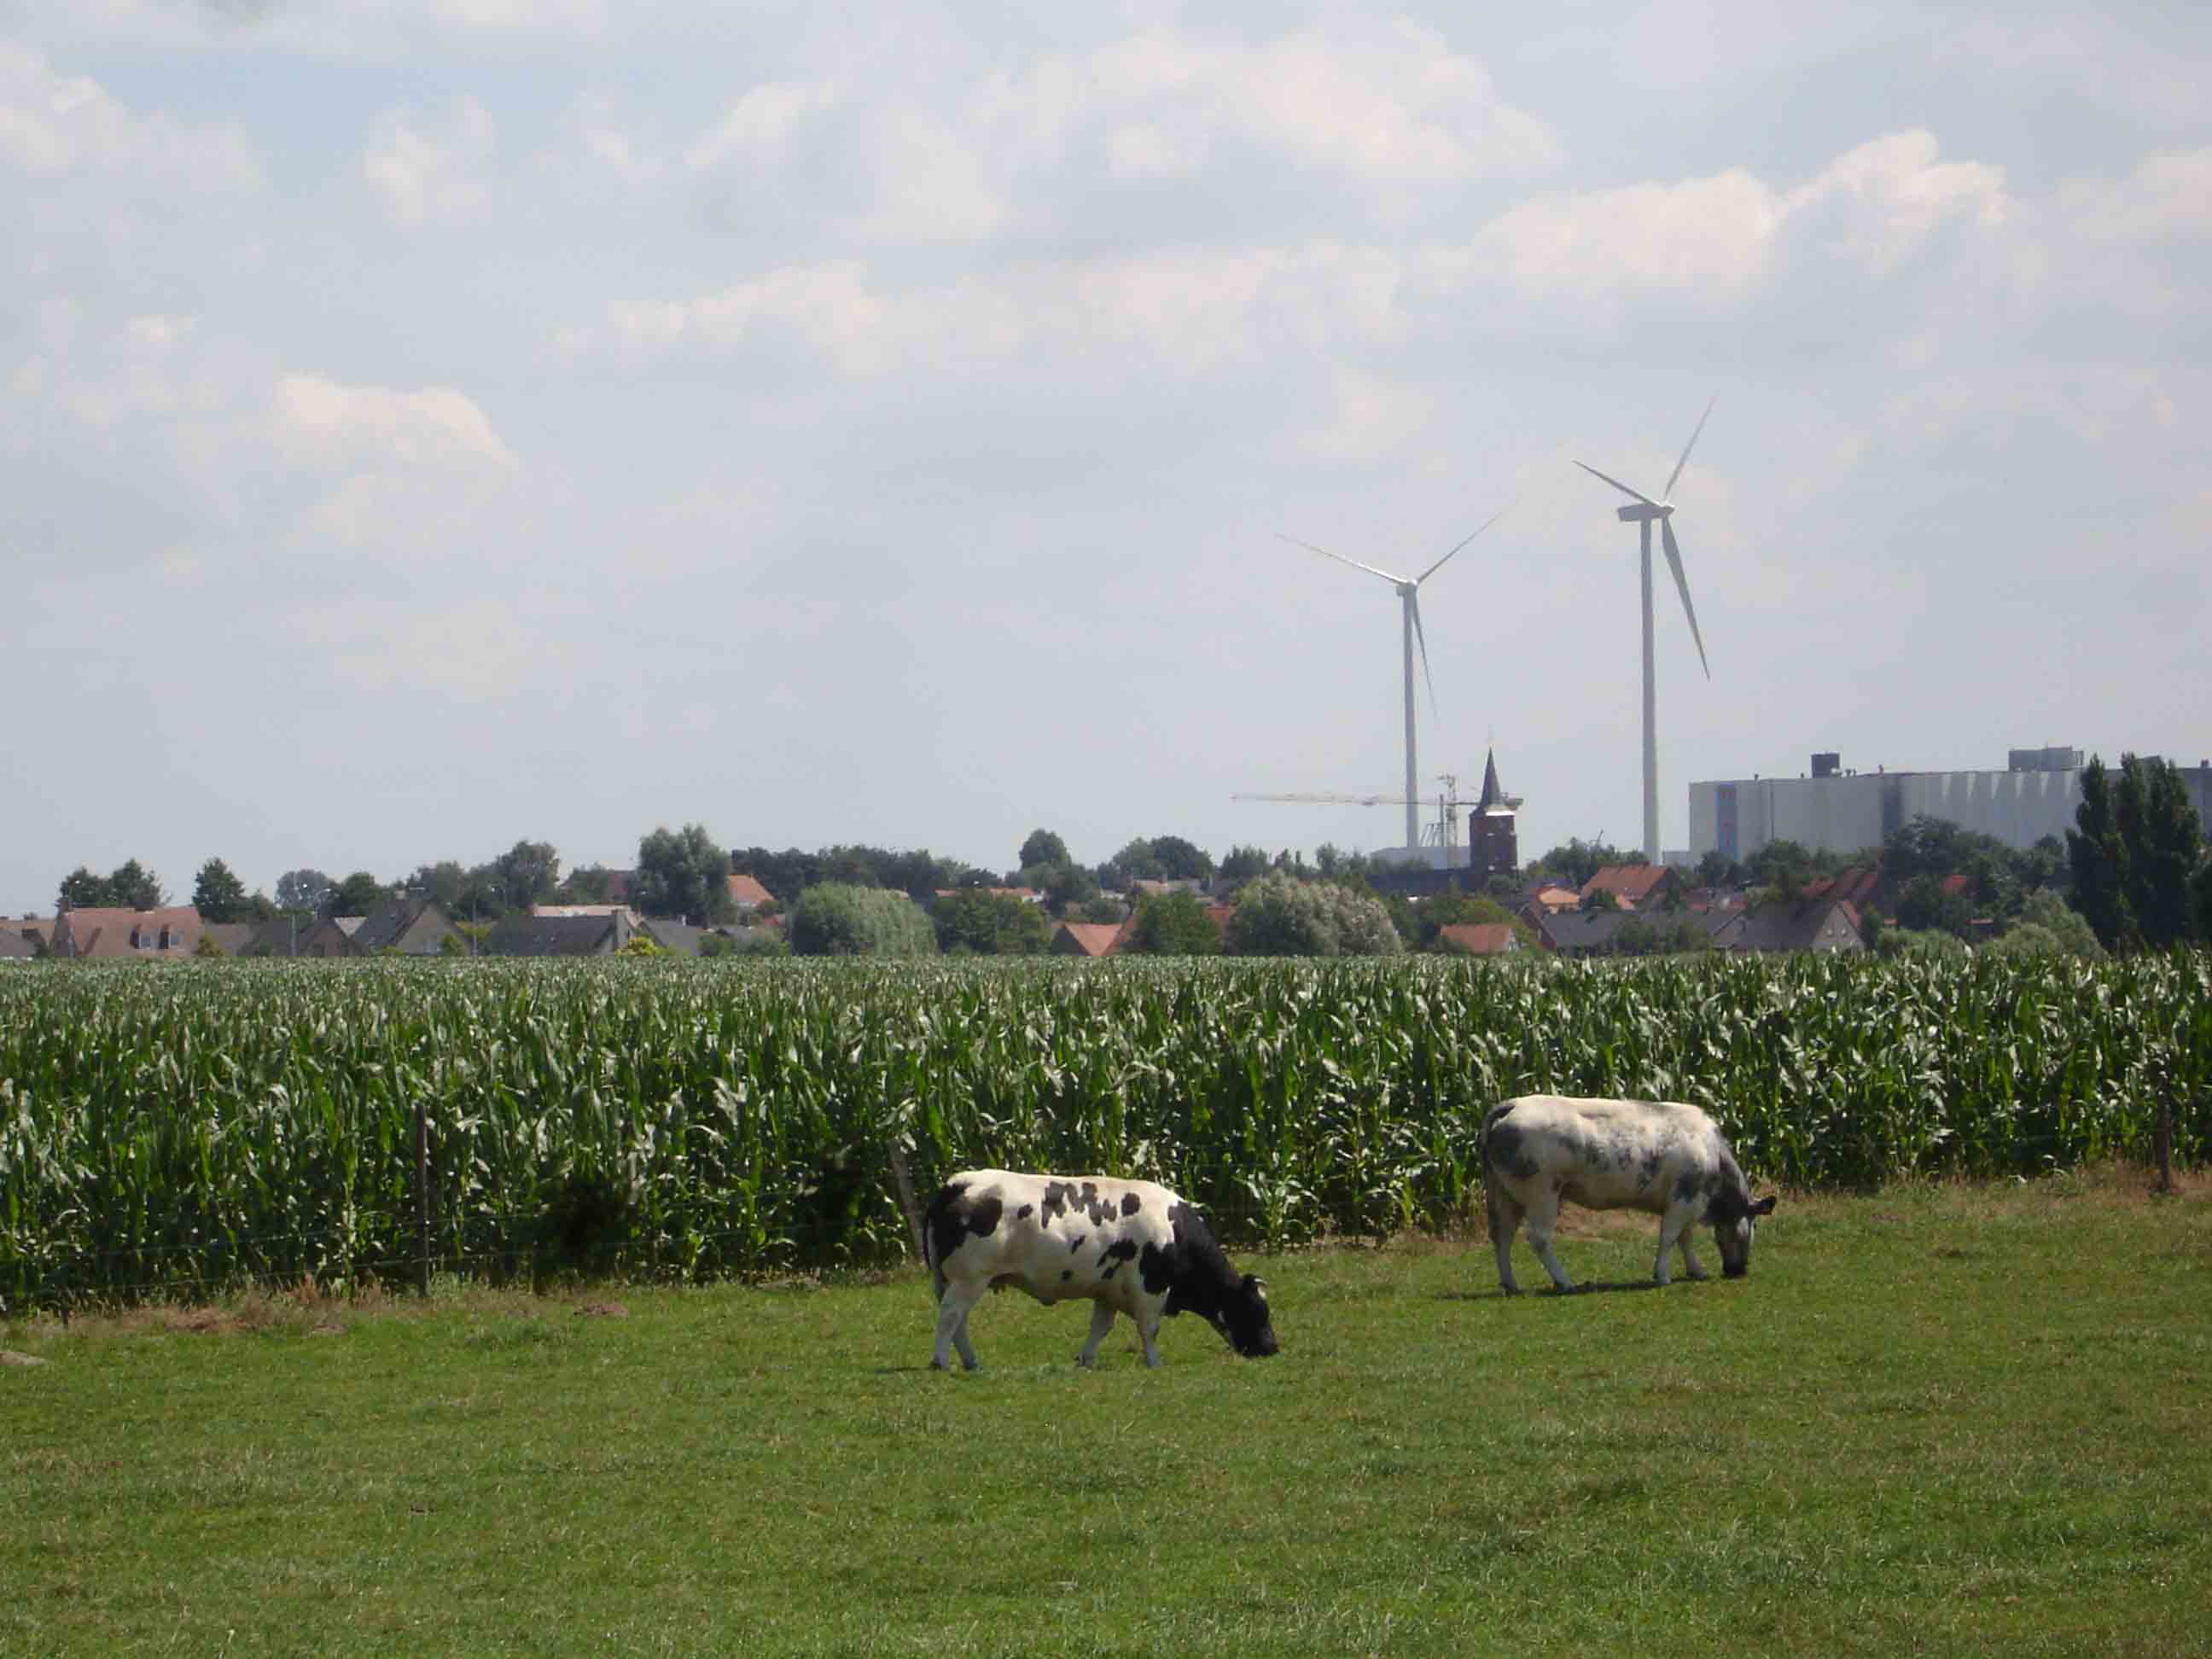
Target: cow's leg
{"points": [[1691, 1267], [1505, 1222], [1673, 1229], [1543, 1207], [1101, 1321], [1148, 1333], [952, 1327]]}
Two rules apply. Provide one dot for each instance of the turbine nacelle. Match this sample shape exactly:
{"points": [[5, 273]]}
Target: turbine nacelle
{"points": [[1643, 510]]}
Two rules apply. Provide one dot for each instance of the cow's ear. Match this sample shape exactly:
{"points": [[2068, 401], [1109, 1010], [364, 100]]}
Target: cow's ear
{"points": [[1256, 1284], [1765, 1206]]}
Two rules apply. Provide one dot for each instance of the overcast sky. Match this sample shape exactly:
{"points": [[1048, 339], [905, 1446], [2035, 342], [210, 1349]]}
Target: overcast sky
{"points": [[432, 423]]}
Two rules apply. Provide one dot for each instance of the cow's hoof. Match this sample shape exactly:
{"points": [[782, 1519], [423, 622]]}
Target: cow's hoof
{"points": [[938, 1365], [1509, 1290]]}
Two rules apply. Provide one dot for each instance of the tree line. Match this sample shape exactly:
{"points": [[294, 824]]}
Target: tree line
{"points": [[2135, 873]]}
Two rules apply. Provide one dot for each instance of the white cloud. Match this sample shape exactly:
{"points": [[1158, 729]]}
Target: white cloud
{"points": [[322, 422], [1706, 243], [431, 177], [54, 126]]}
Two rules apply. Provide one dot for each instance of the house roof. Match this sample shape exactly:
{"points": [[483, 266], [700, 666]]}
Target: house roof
{"points": [[680, 938], [747, 892], [1086, 938], [13, 945], [1782, 927], [1555, 898], [1580, 930], [1479, 939], [105, 931], [232, 938], [1631, 884], [555, 936], [1854, 886], [382, 928], [1026, 895]]}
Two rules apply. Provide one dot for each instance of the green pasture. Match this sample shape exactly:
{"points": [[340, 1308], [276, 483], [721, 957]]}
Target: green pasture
{"points": [[1945, 1419]]}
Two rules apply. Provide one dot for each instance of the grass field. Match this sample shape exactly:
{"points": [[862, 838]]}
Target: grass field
{"points": [[1942, 1420]]}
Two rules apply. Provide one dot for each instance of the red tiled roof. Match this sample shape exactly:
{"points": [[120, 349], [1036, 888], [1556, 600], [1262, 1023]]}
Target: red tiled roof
{"points": [[1087, 939], [1628, 882], [1958, 883], [1479, 939], [747, 890]]}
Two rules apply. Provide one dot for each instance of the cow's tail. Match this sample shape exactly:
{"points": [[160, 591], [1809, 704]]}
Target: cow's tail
{"points": [[903, 1182]]}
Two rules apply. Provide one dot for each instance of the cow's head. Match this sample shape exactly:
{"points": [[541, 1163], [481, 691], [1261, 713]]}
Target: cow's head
{"points": [[1242, 1317], [1732, 1215]]}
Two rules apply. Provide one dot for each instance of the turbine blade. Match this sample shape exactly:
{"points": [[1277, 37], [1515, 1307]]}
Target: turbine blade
{"points": [[1617, 484], [1682, 586], [1413, 603], [1338, 558], [1479, 529], [1669, 492]]}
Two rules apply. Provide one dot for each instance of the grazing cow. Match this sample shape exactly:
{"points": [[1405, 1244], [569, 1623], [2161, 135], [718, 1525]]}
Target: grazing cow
{"points": [[1131, 1247], [1659, 1156]]}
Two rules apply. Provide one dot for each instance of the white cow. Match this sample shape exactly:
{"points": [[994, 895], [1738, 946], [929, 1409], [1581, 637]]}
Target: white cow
{"points": [[1659, 1156], [1130, 1247]]}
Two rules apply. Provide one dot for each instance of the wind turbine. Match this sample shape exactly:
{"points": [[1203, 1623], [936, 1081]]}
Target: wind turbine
{"points": [[1642, 513], [1409, 594]]}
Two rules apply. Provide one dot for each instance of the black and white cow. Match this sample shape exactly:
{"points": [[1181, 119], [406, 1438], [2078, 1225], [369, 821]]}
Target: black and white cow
{"points": [[1130, 1247], [1659, 1156]]}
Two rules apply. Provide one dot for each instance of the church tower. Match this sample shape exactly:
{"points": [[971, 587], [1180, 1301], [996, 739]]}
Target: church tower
{"points": [[1493, 849]]}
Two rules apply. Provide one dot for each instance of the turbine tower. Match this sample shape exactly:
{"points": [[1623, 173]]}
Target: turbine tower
{"points": [[1409, 595], [1642, 513]]}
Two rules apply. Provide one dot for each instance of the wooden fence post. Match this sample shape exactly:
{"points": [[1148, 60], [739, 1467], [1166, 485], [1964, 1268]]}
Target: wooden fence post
{"points": [[2166, 1144], [422, 1198]]}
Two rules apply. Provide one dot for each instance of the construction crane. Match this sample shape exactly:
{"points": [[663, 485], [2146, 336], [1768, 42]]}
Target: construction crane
{"points": [[1449, 804]]}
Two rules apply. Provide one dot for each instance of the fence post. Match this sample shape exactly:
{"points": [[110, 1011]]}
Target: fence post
{"points": [[422, 1198], [2166, 1144]]}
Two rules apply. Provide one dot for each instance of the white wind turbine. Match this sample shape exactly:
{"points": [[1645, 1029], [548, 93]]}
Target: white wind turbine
{"points": [[1409, 594], [1641, 513]]}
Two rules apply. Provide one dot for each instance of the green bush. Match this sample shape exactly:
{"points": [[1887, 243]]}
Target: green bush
{"points": [[836, 919], [1278, 915]]}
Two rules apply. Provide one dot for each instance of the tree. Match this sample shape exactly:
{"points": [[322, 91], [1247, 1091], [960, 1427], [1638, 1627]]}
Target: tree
{"points": [[356, 896], [1599, 899], [1717, 869], [80, 889], [683, 873], [1278, 916], [303, 889], [1068, 885], [2053, 927], [1135, 862], [835, 919], [1574, 863], [1927, 905], [1043, 847], [136, 888], [1783, 864], [1181, 860], [217, 893], [528, 873], [443, 884], [1244, 863], [593, 884], [1173, 925], [1105, 908], [976, 922], [2098, 857], [2165, 842]]}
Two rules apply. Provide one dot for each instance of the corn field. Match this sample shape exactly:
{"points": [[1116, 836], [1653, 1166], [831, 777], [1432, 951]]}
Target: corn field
{"points": [[170, 1130]]}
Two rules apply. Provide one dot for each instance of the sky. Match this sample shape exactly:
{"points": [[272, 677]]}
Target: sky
{"points": [[430, 424]]}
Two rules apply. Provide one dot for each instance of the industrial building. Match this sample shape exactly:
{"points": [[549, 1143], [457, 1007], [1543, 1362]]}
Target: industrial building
{"points": [[1831, 808]]}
